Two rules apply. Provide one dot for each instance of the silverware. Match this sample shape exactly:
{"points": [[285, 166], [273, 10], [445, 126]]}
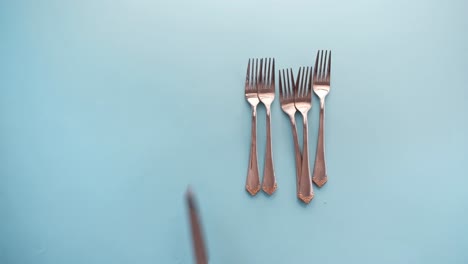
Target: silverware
{"points": [[253, 181], [303, 103], [197, 234], [287, 92], [321, 86], [266, 94]]}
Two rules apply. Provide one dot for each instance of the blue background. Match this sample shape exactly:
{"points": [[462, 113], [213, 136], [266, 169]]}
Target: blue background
{"points": [[110, 109]]}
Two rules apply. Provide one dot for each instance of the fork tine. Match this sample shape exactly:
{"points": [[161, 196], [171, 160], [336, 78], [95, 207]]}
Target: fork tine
{"points": [[273, 73], [298, 82], [285, 84], [292, 91], [281, 87], [260, 71], [316, 65], [260, 76], [319, 65], [269, 68], [329, 67], [304, 84], [284, 78], [322, 64], [310, 80], [303, 80], [252, 72], [255, 76], [252, 67], [267, 71], [247, 78], [325, 64], [293, 87]]}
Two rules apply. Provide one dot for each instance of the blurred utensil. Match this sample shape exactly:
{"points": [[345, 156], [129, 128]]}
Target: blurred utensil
{"points": [[197, 234]]}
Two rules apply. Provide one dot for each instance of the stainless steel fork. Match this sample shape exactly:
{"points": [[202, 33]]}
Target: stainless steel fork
{"points": [[252, 184], [287, 92], [303, 103], [321, 88], [266, 94]]}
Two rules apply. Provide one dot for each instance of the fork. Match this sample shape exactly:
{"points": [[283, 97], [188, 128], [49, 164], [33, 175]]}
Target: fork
{"points": [[252, 184], [321, 86], [266, 94], [287, 92], [303, 104]]}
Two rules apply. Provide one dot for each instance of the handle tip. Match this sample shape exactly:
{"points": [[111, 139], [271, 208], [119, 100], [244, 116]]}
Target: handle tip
{"points": [[306, 198], [320, 181], [270, 189], [252, 190]]}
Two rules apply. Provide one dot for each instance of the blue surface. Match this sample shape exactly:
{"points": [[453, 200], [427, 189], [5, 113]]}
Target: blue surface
{"points": [[109, 109]]}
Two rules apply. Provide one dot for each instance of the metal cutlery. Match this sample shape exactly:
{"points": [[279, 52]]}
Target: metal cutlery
{"points": [[295, 96], [321, 86], [266, 94], [252, 184], [303, 103], [287, 94], [199, 248]]}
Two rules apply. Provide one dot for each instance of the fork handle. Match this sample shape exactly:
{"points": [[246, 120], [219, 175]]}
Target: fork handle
{"points": [[252, 184], [320, 169], [269, 179], [306, 192], [297, 152]]}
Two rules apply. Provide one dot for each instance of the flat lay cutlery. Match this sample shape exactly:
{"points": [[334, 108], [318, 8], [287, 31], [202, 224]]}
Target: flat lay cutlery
{"points": [[295, 95]]}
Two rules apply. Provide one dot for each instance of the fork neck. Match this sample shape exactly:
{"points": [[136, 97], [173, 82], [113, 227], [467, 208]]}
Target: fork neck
{"points": [[254, 110], [304, 117], [267, 107], [293, 119], [322, 102]]}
